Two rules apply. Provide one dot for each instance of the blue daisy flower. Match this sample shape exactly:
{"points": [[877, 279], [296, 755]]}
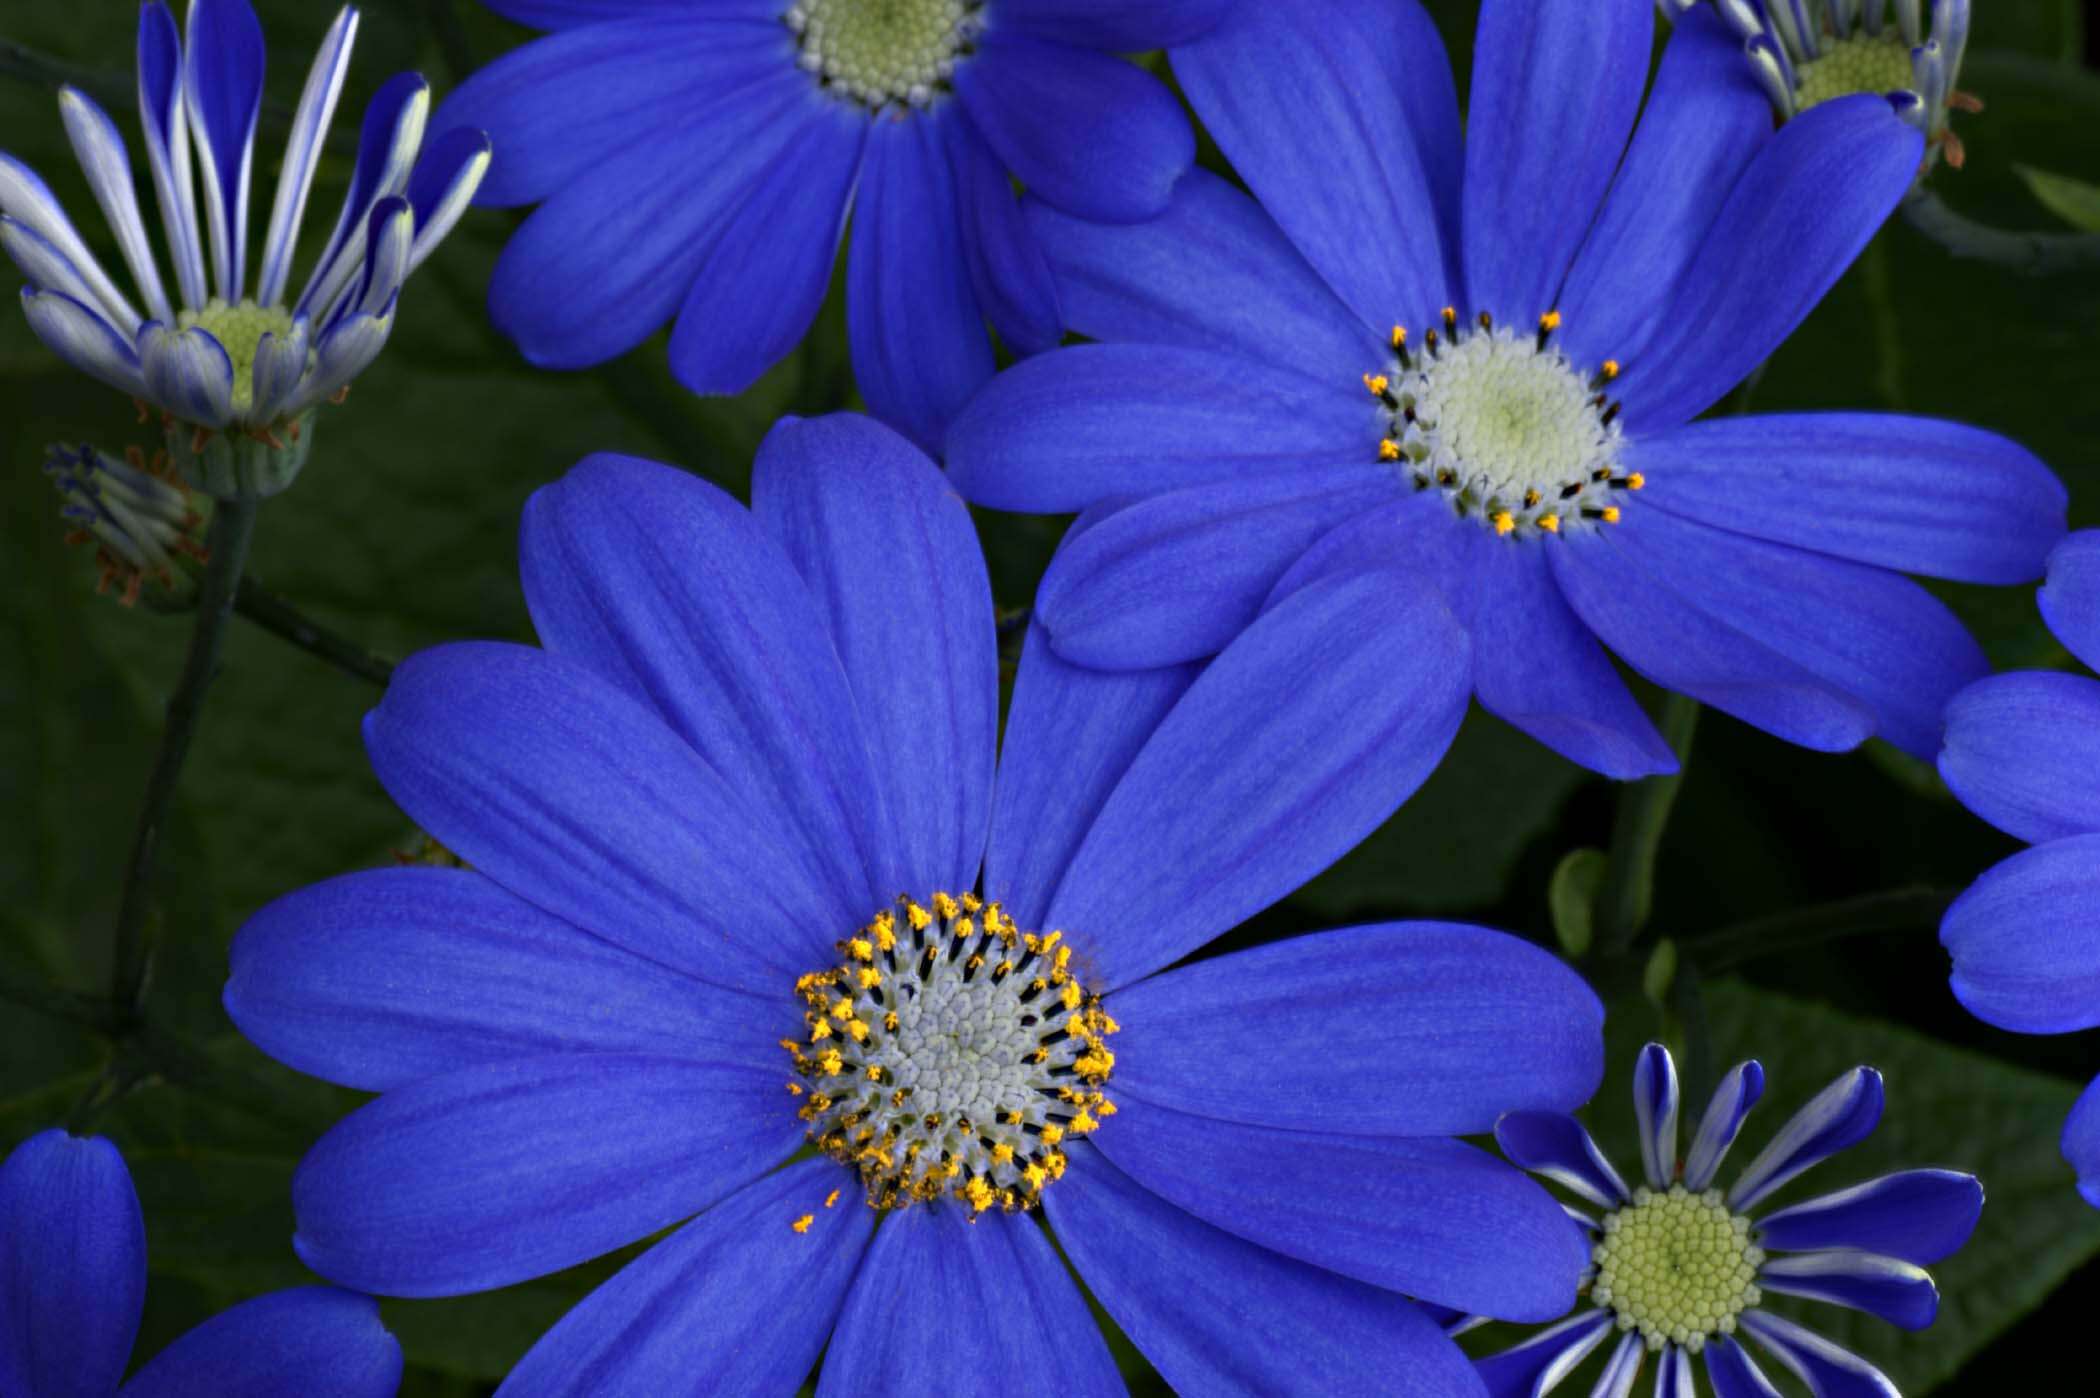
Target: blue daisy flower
{"points": [[73, 1283], [1480, 367], [236, 366], [697, 163], [680, 957], [1680, 1267], [2021, 751]]}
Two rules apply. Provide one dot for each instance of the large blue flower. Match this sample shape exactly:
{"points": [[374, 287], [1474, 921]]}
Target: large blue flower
{"points": [[698, 162], [2022, 752], [681, 954], [1481, 366], [73, 1282]]}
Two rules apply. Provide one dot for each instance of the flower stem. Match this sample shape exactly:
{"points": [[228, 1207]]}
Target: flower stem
{"points": [[1895, 910], [2031, 254], [232, 526], [285, 621], [1628, 894]]}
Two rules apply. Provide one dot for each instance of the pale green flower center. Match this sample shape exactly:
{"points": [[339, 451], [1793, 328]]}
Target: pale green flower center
{"points": [[884, 51], [1865, 63], [1678, 1267], [239, 330]]}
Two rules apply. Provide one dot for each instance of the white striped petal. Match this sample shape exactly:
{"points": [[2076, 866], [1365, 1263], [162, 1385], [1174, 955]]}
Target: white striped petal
{"points": [[345, 352], [280, 365], [163, 112], [1655, 1107], [45, 266], [100, 149], [77, 334], [1901, 1293], [390, 162], [27, 199], [1837, 1118], [1621, 1369], [302, 153], [219, 64], [392, 236], [188, 373], [443, 186], [1816, 1361], [1725, 1113], [1673, 1376]]}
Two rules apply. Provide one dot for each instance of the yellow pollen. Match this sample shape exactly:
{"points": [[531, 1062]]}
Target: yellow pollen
{"points": [[1611, 514], [1389, 450], [1399, 337], [1611, 368], [1378, 384], [1635, 480], [1550, 523], [1550, 321], [801, 1225], [831, 1198], [1505, 522]]}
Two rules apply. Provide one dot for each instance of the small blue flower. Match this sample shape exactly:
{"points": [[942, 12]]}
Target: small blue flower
{"points": [[2022, 751], [1470, 370], [226, 354], [139, 519], [697, 163], [1680, 1267], [73, 1282], [680, 956]]}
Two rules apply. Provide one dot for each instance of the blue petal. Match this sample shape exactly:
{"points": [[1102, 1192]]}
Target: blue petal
{"points": [[25, 198], [1555, 90], [84, 340], [45, 268], [1829, 1370], [917, 332], [302, 154], [1213, 272], [222, 84], [1705, 119], [1009, 271], [1176, 576], [443, 183], [187, 373], [1555, 1145], [2070, 599], [1096, 136], [769, 265], [389, 242], [2025, 939], [1910, 493], [1305, 734], [73, 1270], [1899, 1292], [1071, 734], [668, 588], [1343, 120], [1726, 1111], [161, 114], [1809, 202], [1538, 667], [280, 364], [315, 1341], [576, 798], [387, 144], [1835, 1119], [2081, 1142], [1119, 26], [1470, 1024], [1621, 1368], [1655, 1110], [893, 564], [1428, 1217], [1059, 432], [377, 979], [345, 351], [950, 1304], [2021, 750], [1216, 1314], [1733, 1373], [737, 1295], [1916, 1215], [1541, 1362], [100, 149], [1673, 1374], [507, 1171]]}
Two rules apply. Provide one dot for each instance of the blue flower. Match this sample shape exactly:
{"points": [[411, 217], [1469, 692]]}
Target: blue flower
{"points": [[140, 521], [680, 956], [698, 163], [1476, 370], [73, 1282], [2021, 752], [1680, 1268], [227, 354]]}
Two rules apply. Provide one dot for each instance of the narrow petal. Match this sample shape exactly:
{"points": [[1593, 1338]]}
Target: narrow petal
{"points": [[222, 80], [901, 1331], [1916, 1215], [1899, 1292], [447, 174], [1555, 90], [1059, 432], [1009, 271], [280, 364], [2080, 1143], [740, 1294], [345, 351], [100, 148], [1540, 1363], [43, 266], [388, 241], [163, 113], [312, 1340], [508, 1171], [1343, 120], [1555, 1145], [1835, 1119], [302, 154], [1115, 25], [386, 151], [2070, 598], [1673, 1374], [2025, 939], [73, 1272], [1655, 1112], [2020, 751], [83, 339], [1470, 1024], [1910, 493], [1620, 1369], [1829, 1370], [1304, 735], [375, 980], [1729, 1108], [1733, 1373], [1216, 1314], [187, 373], [893, 563], [25, 198]]}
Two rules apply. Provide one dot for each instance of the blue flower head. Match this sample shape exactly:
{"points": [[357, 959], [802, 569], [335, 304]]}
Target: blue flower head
{"points": [[1679, 1266], [236, 366], [1469, 371], [697, 164], [2021, 752], [137, 516], [746, 878], [73, 1283]]}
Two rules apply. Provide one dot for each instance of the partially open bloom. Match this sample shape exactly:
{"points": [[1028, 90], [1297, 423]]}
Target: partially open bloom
{"points": [[1478, 365], [134, 511], [2023, 752], [743, 881], [1679, 1267], [697, 164], [234, 363], [73, 1283]]}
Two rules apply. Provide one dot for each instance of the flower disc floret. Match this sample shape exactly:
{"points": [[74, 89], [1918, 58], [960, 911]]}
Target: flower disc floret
{"points": [[951, 1053], [239, 329], [880, 52], [1676, 1266]]}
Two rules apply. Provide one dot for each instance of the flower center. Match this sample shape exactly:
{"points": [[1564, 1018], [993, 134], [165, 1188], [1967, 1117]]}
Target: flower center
{"points": [[239, 330], [949, 1052], [1864, 63], [1505, 426], [1678, 1267], [883, 51]]}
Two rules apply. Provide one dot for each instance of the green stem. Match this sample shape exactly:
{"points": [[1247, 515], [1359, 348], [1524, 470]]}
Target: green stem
{"points": [[1895, 910], [1636, 836], [232, 526], [2030, 254], [285, 621]]}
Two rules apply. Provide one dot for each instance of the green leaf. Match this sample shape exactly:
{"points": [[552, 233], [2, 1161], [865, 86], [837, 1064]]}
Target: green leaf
{"points": [[1571, 896], [2074, 201]]}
